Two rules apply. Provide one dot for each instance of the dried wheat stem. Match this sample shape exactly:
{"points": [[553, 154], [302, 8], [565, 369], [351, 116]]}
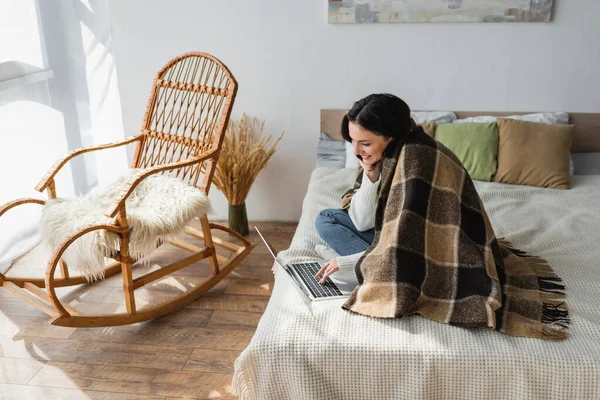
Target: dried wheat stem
{"points": [[242, 158]]}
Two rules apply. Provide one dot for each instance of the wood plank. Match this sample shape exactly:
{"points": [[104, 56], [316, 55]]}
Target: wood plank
{"points": [[221, 397], [275, 227], [31, 264], [20, 392], [247, 271], [225, 397], [234, 319], [89, 293], [99, 308], [151, 333], [10, 304], [32, 299], [130, 354], [21, 326], [201, 268], [168, 269], [255, 287], [160, 292], [18, 371], [258, 259], [230, 302], [209, 360], [185, 318], [141, 268], [140, 381], [19, 274], [145, 297], [43, 294], [13, 305], [216, 241], [184, 245]]}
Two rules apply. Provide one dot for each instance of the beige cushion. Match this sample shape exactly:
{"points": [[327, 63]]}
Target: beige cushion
{"points": [[429, 128], [534, 154]]}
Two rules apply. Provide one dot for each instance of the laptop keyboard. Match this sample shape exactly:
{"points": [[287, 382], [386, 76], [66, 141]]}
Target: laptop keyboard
{"points": [[307, 273]]}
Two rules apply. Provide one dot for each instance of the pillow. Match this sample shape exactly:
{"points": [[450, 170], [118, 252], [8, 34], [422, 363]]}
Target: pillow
{"points": [[351, 160], [534, 154], [330, 152], [545, 118], [441, 117], [475, 145], [586, 163]]}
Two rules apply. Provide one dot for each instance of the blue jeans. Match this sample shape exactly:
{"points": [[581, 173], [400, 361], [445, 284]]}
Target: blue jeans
{"points": [[338, 231]]}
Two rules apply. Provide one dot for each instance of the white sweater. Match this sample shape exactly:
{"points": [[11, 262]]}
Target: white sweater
{"points": [[362, 213]]}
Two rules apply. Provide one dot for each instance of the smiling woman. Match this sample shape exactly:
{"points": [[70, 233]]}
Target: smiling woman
{"points": [[371, 126], [427, 244]]}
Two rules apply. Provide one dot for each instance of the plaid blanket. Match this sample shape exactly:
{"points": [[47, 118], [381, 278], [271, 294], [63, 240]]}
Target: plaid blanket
{"points": [[435, 253]]}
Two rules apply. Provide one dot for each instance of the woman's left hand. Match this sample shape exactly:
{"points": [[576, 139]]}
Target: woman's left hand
{"points": [[327, 269], [372, 170]]}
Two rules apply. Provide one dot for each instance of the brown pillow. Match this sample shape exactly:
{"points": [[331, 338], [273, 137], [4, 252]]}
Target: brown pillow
{"points": [[534, 154], [428, 127]]}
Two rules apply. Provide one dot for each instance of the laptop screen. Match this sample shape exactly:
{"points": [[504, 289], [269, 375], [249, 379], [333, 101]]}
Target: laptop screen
{"points": [[271, 249]]}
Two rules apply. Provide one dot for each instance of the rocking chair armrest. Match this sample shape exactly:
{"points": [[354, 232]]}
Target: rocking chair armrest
{"points": [[140, 176], [49, 177]]}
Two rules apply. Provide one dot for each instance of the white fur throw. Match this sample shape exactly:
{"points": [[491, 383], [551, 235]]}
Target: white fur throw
{"points": [[158, 209]]}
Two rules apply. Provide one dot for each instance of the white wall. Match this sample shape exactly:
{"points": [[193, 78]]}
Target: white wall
{"points": [[290, 63]]}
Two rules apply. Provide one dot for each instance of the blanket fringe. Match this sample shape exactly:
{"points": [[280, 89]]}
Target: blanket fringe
{"points": [[553, 332], [539, 265], [555, 322], [555, 317], [551, 285]]}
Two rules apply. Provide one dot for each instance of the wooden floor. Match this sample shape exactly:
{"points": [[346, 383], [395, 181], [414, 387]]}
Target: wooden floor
{"points": [[185, 355]]}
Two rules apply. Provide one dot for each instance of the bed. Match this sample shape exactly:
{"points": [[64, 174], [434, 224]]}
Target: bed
{"points": [[316, 350]]}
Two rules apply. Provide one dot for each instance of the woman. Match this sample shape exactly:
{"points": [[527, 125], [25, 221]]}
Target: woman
{"points": [[427, 244], [371, 125]]}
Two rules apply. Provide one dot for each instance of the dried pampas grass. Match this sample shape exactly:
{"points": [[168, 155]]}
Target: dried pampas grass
{"points": [[242, 158]]}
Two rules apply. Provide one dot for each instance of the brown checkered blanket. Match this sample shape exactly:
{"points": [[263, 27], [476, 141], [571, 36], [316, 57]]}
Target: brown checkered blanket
{"points": [[435, 253]]}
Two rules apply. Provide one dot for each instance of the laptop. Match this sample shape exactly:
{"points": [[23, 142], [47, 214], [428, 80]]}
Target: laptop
{"points": [[303, 273]]}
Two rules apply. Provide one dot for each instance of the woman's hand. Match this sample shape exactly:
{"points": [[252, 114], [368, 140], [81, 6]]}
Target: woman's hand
{"points": [[327, 270], [372, 170]]}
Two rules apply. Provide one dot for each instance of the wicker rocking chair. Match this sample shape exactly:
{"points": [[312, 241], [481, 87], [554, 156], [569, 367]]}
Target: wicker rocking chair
{"points": [[182, 132]]}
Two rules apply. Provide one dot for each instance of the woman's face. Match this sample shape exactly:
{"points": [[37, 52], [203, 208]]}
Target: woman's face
{"points": [[367, 144]]}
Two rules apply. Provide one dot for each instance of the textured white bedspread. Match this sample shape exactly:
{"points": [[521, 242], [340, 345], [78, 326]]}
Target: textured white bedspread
{"points": [[316, 350]]}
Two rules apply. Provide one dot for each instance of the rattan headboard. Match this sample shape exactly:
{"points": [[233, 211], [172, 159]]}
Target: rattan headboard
{"points": [[587, 126]]}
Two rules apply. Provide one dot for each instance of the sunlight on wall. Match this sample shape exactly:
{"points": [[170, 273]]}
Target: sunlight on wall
{"points": [[20, 39], [33, 137], [105, 121]]}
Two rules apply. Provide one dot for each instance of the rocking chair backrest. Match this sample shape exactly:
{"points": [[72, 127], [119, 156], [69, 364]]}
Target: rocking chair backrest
{"points": [[187, 114]]}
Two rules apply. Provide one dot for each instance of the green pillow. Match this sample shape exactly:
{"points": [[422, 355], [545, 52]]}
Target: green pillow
{"points": [[475, 145]]}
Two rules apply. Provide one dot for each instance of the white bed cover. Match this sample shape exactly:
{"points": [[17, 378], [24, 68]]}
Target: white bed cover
{"points": [[316, 350]]}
